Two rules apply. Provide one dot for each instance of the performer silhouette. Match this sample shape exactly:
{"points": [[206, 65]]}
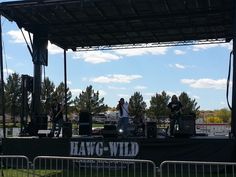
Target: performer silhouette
{"points": [[57, 118], [175, 108]]}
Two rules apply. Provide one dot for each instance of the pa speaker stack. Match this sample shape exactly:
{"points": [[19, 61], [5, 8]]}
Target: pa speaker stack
{"points": [[187, 126], [85, 123], [151, 129], [109, 131], [67, 130]]}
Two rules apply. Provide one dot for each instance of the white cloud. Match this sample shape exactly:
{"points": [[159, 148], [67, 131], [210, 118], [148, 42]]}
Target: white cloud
{"points": [[95, 57], [140, 87], [75, 92], [8, 71], [204, 46], [179, 52], [116, 88], [116, 78], [179, 66], [102, 93], [141, 51], [205, 83], [222, 103], [17, 37], [228, 45], [196, 97], [69, 82], [53, 49], [208, 46]]}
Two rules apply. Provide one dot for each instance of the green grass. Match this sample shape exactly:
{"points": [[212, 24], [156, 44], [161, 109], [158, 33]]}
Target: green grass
{"points": [[23, 173], [98, 125], [96, 173]]}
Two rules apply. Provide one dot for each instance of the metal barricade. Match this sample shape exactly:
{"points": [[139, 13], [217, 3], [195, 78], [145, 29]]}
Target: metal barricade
{"points": [[14, 166], [197, 169], [92, 167]]}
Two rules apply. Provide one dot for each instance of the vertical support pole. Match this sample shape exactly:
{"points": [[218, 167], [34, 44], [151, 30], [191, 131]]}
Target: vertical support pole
{"points": [[65, 80], [23, 101], [37, 89], [233, 115], [2, 83], [39, 57]]}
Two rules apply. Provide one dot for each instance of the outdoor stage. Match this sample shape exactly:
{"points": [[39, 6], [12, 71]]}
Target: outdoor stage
{"points": [[155, 149]]}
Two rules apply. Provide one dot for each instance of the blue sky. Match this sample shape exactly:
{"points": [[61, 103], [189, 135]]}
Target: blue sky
{"points": [[199, 70]]}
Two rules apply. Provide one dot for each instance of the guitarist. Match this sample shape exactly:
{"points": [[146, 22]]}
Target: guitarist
{"points": [[57, 118], [175, 108]]}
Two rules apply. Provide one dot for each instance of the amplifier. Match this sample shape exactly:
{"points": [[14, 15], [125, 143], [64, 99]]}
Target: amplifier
{"points": [[85, 123], [151, 129], [67, 130], [187, 126], [109, 131]]}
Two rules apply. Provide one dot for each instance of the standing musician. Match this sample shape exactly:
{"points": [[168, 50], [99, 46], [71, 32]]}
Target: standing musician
{"points": [[57, 118], [123, 108], [175, 108]]}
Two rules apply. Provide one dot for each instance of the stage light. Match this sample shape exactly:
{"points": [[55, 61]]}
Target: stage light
{"points": [[121, 131]]}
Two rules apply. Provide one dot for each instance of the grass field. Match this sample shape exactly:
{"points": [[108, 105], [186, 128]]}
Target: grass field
{"points": [[98, 173]]}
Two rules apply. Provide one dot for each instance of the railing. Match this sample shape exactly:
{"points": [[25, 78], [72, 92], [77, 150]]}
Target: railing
{"points": [[14, 166], [92, 167], [51, 166], [197, 169]]}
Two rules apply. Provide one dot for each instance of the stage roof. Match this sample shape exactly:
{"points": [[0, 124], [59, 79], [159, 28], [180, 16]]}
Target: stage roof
{"points": [[73, 24]]}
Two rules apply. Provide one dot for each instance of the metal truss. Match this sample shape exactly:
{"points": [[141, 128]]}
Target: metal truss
{"points": [[151, 45]]}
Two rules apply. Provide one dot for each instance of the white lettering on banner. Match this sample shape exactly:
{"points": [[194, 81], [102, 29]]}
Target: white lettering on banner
{"points": [[113, 148], [99, 149], [90, 148], [73, 147], [82, 149], [107, 149]]}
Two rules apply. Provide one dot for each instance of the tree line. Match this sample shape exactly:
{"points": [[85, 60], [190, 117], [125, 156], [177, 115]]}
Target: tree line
{"points": [[89, 100]]}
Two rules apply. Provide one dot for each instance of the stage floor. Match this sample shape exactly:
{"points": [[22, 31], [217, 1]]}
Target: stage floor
{"points": [[202, 148]]}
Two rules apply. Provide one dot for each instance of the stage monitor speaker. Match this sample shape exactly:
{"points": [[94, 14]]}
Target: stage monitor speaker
{"points": [[85, 123], [67, 130], [43, 133], [109, 131], [151, 129], [187, 126]]}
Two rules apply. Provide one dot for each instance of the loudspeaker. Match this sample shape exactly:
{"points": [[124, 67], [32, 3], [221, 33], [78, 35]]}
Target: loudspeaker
{"points": [[41, 121], [67, 130], [187, 126], [151, 129], [85, 117], [85, 123], [109, 131]]}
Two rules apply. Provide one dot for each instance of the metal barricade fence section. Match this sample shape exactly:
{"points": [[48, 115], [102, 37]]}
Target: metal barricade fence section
{"points": [[197, 169], [92, 167], [14, 166]]}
